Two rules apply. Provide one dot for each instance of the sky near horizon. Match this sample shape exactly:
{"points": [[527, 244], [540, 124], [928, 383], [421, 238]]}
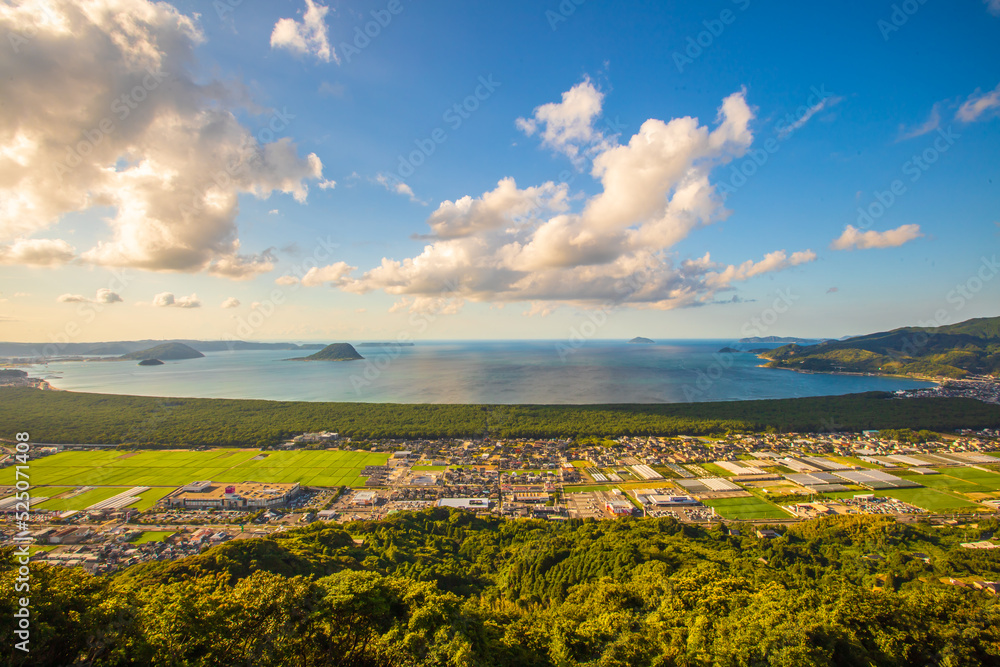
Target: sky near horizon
{"points": [[318, 170]]}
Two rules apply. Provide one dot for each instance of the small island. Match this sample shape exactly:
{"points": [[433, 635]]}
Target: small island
{"points": [[333, 352], [642, 341], [150, 362], [168, 351]]}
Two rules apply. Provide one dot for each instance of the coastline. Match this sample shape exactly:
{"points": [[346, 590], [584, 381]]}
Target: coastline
{"points": [[921, 378]]}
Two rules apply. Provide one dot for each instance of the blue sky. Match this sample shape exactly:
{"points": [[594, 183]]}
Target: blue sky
{"points": [[590, 198]]}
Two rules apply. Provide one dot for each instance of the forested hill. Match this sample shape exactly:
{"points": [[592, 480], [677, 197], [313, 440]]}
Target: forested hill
{"points": [[166, 351], [953, 351], [441, 587], [69, 417]]}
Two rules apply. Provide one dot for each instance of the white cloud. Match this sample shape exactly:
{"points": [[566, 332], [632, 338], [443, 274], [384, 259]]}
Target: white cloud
{"points": [[104, 295], [393, 184], [335, 273], [824, 103], [568, 126], [993, 7], [515, 244], [168, 300], [128, 123], [231, 302], [932, 123], [855, 238], [503, 207], [242, 267], [285, 281], [36, 252], [979, 104], [308, 37], [774, 261], [20, 294]]}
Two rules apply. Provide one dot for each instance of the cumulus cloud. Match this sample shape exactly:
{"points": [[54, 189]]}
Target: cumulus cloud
{"points": [[36, 252], [306, 37], [335, 274], [104, 107], [231, 302], [285, 281], [104, 295], [774, 261], [168, 300], [242, 267], [543, 246], [855, 238], [568, 126], [978, 105]]}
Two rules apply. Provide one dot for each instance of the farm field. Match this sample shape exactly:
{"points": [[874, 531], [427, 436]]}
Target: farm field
{"points": [[47, 492], [177, 468], [928, 499], [588, 488], [989, 480], [83, 500], [153, 536], [976, 484], [746, 508], [150, 498]]}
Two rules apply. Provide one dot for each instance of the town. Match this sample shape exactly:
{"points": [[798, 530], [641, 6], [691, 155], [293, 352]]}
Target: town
{"points": [[758, 480]]}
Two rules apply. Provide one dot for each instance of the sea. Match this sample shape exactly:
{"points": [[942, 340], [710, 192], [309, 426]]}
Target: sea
{"points": [[496, 372]]}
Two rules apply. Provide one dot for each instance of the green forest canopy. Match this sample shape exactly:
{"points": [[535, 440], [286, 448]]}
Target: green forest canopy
{"points": [[69, 417], [442, 587]]}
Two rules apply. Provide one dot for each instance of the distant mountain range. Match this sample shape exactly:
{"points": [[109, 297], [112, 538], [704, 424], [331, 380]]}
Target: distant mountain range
{"points": [[782, 339], [953, 351], [119, 348]]}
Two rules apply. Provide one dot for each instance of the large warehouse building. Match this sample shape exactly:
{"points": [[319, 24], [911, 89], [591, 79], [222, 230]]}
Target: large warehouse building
{"points": [[245, 495]]}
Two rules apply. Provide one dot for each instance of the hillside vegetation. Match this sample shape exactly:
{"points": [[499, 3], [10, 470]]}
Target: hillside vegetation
{"points": [[953, 351], [165, 352], [68, 417], [445, 588]]}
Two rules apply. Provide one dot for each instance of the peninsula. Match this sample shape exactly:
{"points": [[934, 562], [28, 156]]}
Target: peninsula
{"points": [[960, 350]]}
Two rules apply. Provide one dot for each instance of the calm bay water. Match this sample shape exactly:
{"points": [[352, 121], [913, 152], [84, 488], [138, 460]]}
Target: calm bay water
{"points": [[471, 372]]}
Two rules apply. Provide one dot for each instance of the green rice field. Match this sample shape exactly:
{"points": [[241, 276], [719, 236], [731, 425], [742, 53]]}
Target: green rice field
{"points": [[153, 536], [82, 500], [177, 468], [928, 499], [746, 508]]}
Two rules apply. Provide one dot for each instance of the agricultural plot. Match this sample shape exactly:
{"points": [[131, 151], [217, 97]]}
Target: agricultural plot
{"points": [[152, 536], [151, 497], [81, 501], [749, 507], [177, 468], [928, 499], [971, 483]]}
